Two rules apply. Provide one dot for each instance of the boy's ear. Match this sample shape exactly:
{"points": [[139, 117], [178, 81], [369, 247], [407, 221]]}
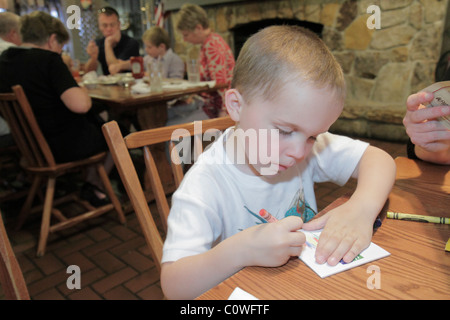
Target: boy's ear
{"points": [[234, 103]]}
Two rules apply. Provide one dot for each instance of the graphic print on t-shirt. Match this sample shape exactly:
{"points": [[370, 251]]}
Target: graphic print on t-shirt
{"points": [[298, 207]]}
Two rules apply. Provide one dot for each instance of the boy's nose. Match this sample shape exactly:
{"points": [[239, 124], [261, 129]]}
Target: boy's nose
{"points": [[297, 150]]}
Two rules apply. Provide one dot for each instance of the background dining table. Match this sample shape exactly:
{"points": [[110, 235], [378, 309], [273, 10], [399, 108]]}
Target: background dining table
{"points": [[418, 266], [150, 107]]}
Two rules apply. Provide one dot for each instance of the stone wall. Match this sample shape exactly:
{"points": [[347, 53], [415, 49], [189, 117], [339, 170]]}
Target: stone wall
{"points": [[382, 66]]}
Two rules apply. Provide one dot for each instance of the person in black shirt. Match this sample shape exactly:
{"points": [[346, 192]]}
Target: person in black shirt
{"points": [[61, 107], [114, 47]]}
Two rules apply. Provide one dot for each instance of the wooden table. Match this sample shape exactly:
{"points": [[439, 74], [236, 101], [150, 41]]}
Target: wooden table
{"points": [[151, 108], [418, 267]]}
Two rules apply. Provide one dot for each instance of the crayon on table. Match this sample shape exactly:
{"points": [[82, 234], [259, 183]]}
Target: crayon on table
{"points": [[416, 217], [267, 216]]}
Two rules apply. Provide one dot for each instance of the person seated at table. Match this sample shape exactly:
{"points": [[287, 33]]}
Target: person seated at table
{"points": [[9, 36], [216, 58], [293, 93], [114, 47], [61, 107], [429, 138], [9, 30], [157, 46]]}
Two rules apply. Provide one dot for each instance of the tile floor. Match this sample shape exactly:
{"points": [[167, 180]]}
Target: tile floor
{"points": [[114, 260]]}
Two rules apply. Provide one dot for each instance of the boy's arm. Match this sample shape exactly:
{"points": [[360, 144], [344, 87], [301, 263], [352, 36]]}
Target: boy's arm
{"points": [[268, 244], [348, 228]]}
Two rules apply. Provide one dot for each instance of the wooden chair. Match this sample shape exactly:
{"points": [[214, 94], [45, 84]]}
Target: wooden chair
{"points": [[38, 161], [11, 277], [120, 146]]}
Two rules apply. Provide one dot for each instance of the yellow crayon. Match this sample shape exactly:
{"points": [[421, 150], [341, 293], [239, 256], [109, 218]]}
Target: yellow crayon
{"points": [[416, 217]]}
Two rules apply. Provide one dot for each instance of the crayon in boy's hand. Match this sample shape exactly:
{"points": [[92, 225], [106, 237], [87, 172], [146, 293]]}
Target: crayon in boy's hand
{"points": [[267, 216]]}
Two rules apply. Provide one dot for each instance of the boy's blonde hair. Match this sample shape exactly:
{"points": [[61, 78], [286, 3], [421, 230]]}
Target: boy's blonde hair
{"points": [[279, 54], [156, 36], [190, 15]]}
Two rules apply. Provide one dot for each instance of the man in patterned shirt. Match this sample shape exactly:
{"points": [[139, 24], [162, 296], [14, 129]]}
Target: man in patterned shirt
{"points": [[216, 58]]}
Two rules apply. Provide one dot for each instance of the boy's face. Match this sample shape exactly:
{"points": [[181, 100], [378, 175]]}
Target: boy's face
{"points": [[152, 50], [299, 112]]}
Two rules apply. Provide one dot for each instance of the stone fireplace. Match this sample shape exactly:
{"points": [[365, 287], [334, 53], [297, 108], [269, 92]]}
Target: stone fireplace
{"points": [[382, 66], [242, 31]]}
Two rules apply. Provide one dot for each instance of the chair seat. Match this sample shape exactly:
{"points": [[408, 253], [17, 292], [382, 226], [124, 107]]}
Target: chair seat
{"points": [[63, 167]]}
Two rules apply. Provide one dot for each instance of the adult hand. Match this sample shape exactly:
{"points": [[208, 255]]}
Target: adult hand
{"points": [[92, 49], [422, 124], [113, 39]]}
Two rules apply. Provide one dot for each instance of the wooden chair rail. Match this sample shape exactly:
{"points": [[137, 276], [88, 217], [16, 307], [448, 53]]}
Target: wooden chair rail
{"points": [[11, 276]]}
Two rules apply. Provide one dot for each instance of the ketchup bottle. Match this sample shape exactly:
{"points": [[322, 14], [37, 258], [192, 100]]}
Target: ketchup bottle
{"points": [[137, 67]]}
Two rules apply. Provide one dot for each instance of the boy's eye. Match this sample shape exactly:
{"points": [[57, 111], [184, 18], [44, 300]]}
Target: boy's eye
{"points": [[313, 138], [284, 133]]}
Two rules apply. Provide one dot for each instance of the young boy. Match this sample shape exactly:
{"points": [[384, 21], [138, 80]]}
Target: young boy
{"points": [[157, 44], [285, 81]]}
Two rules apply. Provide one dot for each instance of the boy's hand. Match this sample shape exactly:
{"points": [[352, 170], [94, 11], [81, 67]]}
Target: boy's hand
{"points": [[272, 244], [346, 232]]}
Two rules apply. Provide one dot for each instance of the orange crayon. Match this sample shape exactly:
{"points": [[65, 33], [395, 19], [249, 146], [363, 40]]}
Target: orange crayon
{"points": [[267, 216]]}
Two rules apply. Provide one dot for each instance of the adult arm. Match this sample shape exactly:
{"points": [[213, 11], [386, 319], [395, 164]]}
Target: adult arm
{"points": [[77, 99], [92, 51]]}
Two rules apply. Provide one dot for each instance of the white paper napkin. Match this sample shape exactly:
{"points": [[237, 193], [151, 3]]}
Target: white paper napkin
{"points": [[140, 87]]}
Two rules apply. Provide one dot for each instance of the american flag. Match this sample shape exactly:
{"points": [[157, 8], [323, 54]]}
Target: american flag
{"points": [[159, 13]]}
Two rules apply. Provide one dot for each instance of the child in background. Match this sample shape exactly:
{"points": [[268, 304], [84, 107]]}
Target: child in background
{"points": [[285, 81], [157, 45]]}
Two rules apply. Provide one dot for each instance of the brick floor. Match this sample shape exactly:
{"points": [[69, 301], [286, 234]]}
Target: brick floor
{"points": [[114, 261]]}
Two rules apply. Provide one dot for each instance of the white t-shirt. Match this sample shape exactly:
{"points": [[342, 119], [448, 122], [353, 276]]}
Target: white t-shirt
{"points": [[216, 200]]}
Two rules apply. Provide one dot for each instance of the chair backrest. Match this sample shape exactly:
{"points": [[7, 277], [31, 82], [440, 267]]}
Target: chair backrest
{"points": [[11, 276], [25, 130], [120, 146]]}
